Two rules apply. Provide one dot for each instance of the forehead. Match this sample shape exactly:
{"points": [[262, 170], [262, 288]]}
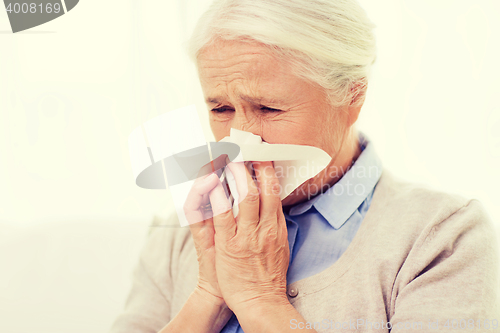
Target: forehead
{"points": [[246, 68], [225, 53]]}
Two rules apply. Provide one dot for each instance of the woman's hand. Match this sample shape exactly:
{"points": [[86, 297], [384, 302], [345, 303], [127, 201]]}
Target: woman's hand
{"points": [[243, 261], [251, 251]]}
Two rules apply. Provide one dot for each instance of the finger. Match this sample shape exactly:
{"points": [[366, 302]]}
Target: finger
{"points": [[248, 216], [223, 219], [240, 177], [269, 188], [282, 229], [203, 234], [197, 197]]}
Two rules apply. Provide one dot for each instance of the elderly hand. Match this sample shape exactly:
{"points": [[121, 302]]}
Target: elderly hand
{"points": [[251, 251], [243, 261]]}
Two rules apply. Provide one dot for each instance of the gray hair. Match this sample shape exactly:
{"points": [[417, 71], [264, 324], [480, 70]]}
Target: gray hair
{"points": [[329, 42]]}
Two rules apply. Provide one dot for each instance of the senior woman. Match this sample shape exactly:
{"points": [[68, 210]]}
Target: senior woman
{"points": [[352, 248]]}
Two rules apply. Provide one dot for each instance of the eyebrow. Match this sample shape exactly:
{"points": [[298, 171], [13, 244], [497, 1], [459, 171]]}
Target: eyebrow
{"points": [[251, 100]]}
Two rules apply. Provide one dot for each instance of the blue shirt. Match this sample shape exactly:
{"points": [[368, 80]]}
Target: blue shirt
{"points": [[321, 229]]}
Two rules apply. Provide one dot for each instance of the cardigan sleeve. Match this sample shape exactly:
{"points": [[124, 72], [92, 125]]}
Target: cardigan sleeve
{"points": [[451, 277], [148, 305]]}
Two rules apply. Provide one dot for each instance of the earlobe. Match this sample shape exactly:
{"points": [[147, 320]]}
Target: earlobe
{"points": [[353, 114]]}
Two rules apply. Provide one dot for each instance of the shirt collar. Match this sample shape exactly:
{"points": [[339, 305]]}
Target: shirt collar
{"points": [[339, 202]]}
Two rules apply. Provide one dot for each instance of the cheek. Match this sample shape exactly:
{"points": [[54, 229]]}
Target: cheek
{"points": [[219, 129], [300, 131]]}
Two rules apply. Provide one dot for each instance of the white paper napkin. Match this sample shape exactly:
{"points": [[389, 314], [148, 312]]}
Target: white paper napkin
{"points": [[294, 164]]}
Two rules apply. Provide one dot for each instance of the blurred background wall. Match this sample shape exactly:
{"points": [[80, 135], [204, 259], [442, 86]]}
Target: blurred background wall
{"points": [[72, 221]]}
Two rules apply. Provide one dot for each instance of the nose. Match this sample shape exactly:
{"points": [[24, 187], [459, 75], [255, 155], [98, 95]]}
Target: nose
{"points": [[245, 121]]}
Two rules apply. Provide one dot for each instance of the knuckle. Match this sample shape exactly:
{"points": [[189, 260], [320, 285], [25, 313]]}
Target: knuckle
{"points": [[273, 230], [252, 197], [269, 234], [270, 237], [233, 246], [221, 222], [253, 238], [273, 187], [225, 213]]}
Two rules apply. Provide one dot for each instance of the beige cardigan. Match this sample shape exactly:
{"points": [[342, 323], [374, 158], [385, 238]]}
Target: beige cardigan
{"points": [[419, 256]]}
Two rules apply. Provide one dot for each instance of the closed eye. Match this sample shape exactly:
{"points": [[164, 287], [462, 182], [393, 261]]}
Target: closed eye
{"points": [[267, 109], [221, 109]]}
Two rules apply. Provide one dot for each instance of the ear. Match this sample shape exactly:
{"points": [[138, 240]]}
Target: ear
{"points": [[358, 93]]}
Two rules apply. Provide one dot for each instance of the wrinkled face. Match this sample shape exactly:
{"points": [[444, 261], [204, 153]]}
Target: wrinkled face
{"points": [[246, 87]]}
